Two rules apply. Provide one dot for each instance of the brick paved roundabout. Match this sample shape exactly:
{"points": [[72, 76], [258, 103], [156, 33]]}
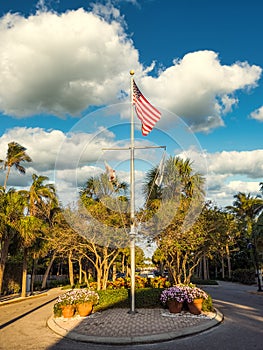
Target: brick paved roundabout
{"points": [[117, 326]]}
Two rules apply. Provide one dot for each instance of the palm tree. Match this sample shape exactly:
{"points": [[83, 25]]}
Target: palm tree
{"points": [[97, 187], [11, 210], [40, 200], [178, 181], [247, 209], [39, 194], [150, 190], [15, 155], [100, 194], [29, 228], [172, 209]]}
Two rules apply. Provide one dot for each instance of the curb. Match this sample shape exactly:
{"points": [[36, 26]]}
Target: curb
{"points": [[141, 339], [17, 300]]}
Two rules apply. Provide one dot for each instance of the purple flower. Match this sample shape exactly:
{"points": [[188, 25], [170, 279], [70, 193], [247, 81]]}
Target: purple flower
{"points": [[182, 293], [195, 293], [173, 293], [77, 296]]}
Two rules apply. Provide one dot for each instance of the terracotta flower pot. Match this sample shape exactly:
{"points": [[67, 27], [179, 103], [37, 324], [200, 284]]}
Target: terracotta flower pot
{"points": [[84, 309], [68, 311], [174, 306], [195, 307]]}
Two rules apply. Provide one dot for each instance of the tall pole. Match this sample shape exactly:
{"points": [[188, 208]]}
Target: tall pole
{"points": [[132, 195], [133, 229]]}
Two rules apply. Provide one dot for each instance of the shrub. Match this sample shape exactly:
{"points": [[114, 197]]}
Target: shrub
{"points": [[208, 304], [148, 297], [112, 298], [13, 287], [245, 276], [159, 282], [145, 298], [57, 283], [199, 281]]}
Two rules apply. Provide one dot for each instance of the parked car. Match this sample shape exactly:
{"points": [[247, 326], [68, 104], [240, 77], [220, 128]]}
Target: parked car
{"points": [[147, 274], [120, 275]]}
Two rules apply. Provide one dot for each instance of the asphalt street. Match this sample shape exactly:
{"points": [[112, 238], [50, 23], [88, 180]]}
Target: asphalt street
{"points": [[23, 325]]}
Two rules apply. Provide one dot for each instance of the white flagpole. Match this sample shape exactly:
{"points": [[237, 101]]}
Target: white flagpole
{"points": [[133, 229], [132, 195]]}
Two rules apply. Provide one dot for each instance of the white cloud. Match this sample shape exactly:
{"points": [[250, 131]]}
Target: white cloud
{"points": [[242, 186], [228, 173], [223, 194], [200, 89], [233, 172], [249, 163], [70, 159], [257, 114], [61, 64], [53, 149]]}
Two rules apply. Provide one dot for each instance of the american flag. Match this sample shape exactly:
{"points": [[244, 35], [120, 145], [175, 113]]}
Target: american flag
{"points": [[147, 114]]}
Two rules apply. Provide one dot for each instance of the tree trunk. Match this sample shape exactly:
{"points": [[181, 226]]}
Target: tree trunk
{"points": [[99, 273], [70, 269], [228, 262], [24, 274], [105, 269], [85, 277], [128, 271], [161, 268], [45, 277], [223, 267], [80, 270], [207, 269], [199, 270], [7, 176], [123, 263], [4, 254], [34, 267], [205, 274], [114, 271], [105, 278]]}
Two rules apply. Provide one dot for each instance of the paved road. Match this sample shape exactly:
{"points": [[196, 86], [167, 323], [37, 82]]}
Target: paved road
{"points": [[23, 325]]}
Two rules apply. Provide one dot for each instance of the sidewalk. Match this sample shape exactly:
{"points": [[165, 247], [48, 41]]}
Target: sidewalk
{"points": [[15, 298], [117, 326]]}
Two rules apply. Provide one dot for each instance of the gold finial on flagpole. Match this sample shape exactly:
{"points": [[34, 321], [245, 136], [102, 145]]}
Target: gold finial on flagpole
{"points": [[132, 72]]}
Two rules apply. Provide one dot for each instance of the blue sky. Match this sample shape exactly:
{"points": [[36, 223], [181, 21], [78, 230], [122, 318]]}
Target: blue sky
{"points": [[199, 62]]}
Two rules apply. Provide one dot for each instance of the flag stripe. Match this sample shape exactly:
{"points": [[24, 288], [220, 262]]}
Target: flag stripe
{"points": [[146, 112], [146, 109], [147, 117]]}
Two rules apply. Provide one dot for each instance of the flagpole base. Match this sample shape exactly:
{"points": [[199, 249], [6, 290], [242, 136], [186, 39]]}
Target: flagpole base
{"points": [[131, 312]]}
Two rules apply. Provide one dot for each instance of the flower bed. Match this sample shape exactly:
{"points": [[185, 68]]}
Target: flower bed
{"points": [[182, 294], [75, 297], [173, 293], [194, 293]]}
